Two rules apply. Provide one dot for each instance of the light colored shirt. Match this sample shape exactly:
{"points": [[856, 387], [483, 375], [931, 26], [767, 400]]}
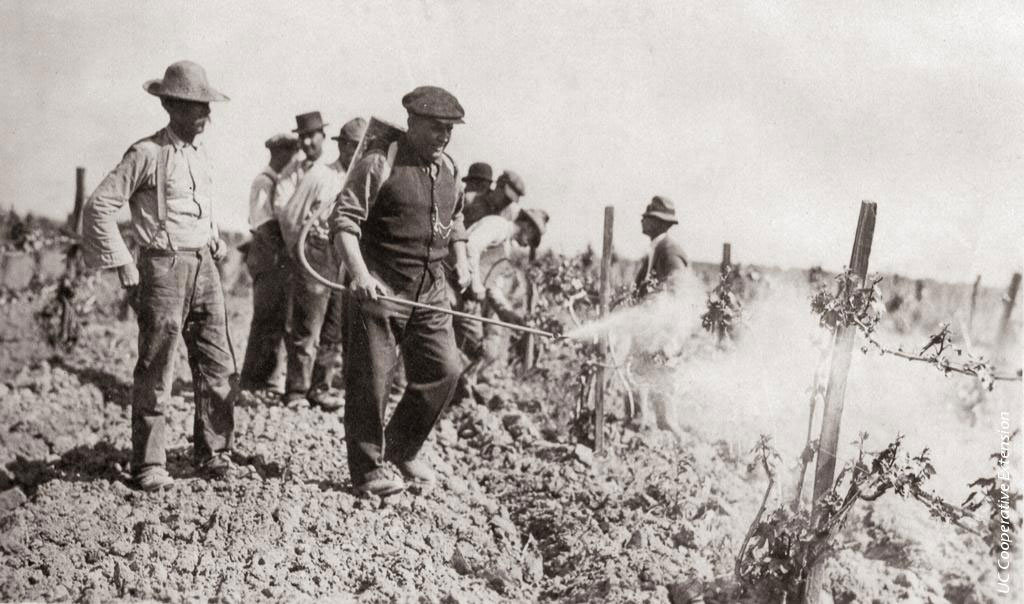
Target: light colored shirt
{"points": [[487, 243], [188, 193], [313, 200]]}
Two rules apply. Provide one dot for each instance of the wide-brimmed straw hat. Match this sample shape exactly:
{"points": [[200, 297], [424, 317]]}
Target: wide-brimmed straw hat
{"points": [[184, 80], [662, 208]]}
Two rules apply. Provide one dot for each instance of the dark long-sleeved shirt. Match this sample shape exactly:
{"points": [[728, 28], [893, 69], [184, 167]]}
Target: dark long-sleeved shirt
{"points": [[405, 213]]}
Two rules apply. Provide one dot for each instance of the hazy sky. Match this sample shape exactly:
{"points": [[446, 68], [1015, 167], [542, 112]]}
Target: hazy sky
{"points": [[767, 126]]}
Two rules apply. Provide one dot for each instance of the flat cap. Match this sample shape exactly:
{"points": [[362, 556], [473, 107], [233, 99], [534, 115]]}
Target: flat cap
{"points": [[283, 141], [433, 102], [512, 180], [353, 130]]}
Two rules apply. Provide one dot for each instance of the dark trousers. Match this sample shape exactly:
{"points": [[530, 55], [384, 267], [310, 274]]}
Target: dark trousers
{"points": [[265, 356], [315, 335], [432, 368], [179, 294]]}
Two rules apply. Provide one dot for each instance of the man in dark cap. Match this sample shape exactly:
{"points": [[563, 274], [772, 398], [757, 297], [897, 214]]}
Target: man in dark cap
{"points": [[314, 341], [166, 180], [267, 261], [394, 224], [502, 201], [477, 180]]}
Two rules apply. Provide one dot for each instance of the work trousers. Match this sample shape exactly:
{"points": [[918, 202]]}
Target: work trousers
{"points": [[179, 294], [377, 331], [265, 355], [315, 335]]}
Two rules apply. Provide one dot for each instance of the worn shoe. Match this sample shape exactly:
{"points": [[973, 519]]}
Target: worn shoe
{"points": [[416, 471], [153, 478], [328, 400], [380, 482], [217, 467]]}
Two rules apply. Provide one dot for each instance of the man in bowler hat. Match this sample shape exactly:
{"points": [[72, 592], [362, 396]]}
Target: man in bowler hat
{"points": [[477, 180], [166, 180], [394, 224]]}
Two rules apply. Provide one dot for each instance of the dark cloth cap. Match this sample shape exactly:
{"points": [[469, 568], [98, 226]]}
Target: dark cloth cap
{"points": [[539, 219], [479, 171], [433, 102], [662, 208], [184, 80], [309, 122], [285, 141], [353, 130], [513, 180]]}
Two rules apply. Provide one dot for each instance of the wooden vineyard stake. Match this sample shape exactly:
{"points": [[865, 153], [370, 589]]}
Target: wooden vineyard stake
{"points": [[842, 349], [599, 381], [76, 216], [1008, 303], [974, 303], [724, 270], [529, 352]]}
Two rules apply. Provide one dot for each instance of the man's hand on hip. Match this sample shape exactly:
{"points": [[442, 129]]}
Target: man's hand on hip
{"points": [[128, 274]]}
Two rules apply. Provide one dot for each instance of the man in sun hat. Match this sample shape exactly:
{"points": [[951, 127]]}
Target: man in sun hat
{"points": [[166, 180], [666, 260], [267, 261], [477, 180], [503, 200], [395, 223], [316, 313]]}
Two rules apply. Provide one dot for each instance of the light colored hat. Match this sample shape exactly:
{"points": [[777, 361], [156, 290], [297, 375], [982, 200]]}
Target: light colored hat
{"points": [[662, 208], [539, 219], [184, 80], [353, 130]]}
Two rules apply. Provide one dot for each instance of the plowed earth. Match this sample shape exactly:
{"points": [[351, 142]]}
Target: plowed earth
{"points": [[523, 513]]}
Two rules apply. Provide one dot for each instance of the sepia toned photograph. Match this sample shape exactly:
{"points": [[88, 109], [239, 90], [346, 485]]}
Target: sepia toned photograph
{"points": [[466, 301]]}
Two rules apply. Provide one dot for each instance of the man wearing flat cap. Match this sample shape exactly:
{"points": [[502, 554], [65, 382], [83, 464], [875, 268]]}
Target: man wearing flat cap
{"points": [[166, 180], [267, 261], [502, 201], [395, 223], [314, 341], [477, 180]]}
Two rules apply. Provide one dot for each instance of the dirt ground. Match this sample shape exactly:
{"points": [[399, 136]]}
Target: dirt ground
{"points": [[523, 512]]}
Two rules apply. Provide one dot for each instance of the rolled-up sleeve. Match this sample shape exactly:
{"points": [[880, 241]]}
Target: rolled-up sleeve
{"points": [[353, 204], [104, 247]]}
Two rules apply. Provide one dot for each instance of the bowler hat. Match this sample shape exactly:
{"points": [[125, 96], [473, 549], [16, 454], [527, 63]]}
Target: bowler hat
{"points": [[539, 219], [309, 122], [284, 141], [435, 103], [514, 181], [662, 208], [479, 171], [353, 130], [184, 80]]}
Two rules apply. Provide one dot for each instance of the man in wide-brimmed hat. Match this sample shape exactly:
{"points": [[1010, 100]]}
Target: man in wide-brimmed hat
{"points": [[166, 179], [314, 342], [667, 258], [502, 201], [267, 261], [477, 180], [395, 223]]}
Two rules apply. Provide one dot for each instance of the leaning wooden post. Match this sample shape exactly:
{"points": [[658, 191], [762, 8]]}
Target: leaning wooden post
{"points": [[842, 349], [76, 216], [1008, 302], [974, 304], [606, 268]]}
